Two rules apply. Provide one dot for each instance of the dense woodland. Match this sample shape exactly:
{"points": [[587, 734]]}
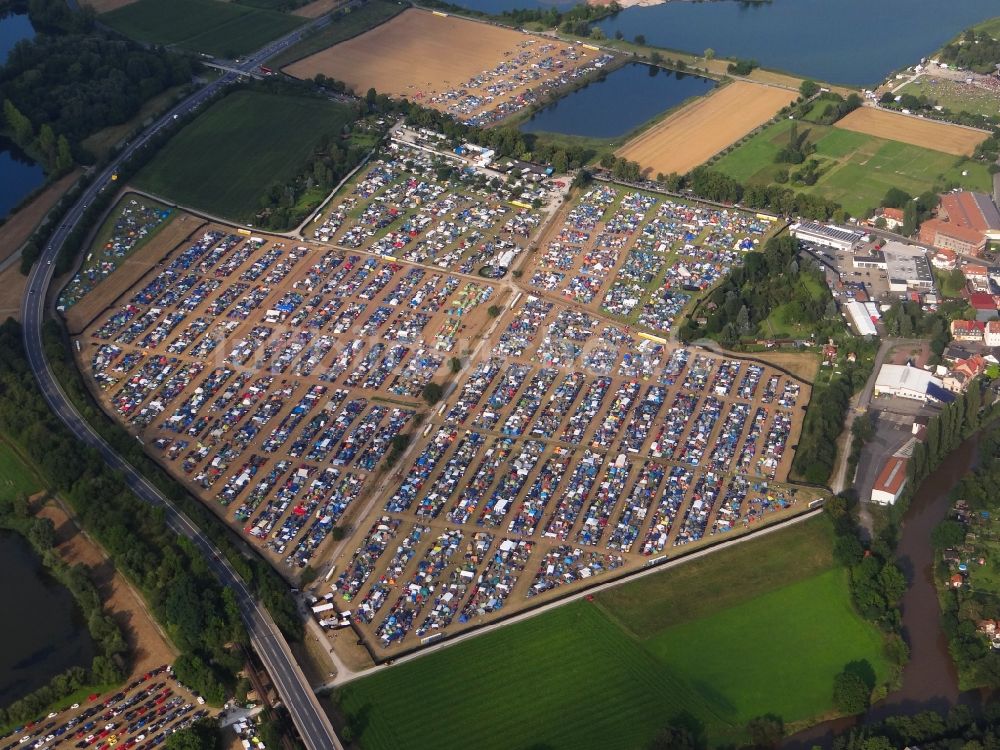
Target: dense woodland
{"points": [[74, 79], [201, 617], [976, 51]]}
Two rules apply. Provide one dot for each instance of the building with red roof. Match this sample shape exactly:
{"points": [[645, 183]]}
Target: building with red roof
{"points": [[891, 481], [965, 222]]}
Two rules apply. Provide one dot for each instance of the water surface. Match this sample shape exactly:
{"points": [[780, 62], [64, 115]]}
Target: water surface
{"points": [[13, 28], [19, 176], [621, 101], [42, 632]]}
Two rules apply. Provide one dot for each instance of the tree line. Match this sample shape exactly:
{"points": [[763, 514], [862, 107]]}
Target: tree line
{"points": [[976, 51], [201, 617]]}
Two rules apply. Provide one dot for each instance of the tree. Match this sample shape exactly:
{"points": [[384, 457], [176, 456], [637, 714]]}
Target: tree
{"points": [[850, 693], [42, 533], [709, 54], [766, 731], [432, 393], [597, 33], [201, 735], [655, 57], [560, 163], [909, 219], [948, 534], [640, 39], [808, 89]]}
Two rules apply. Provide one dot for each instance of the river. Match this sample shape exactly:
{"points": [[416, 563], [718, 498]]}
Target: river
{"points": [[855, 42], [617, 103], [43, 632], [19, 175], [929, 680]]}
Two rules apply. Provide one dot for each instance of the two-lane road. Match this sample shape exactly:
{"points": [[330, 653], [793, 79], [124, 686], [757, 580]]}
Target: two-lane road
{"points": [[311, 721]]}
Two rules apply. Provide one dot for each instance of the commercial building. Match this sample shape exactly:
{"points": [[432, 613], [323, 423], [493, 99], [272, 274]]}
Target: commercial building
{"points": [[860, 317], [913, 383], [907, 268], [890, 482], [965, 223], [839, 238], [875, 260]]}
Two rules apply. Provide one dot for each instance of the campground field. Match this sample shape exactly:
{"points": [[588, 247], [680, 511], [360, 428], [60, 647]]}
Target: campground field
{"points": [[939, 136], [225, 160], [209, 26], [696, 132], [448, 63], [957, 96], [760, 628], [856, 169]]}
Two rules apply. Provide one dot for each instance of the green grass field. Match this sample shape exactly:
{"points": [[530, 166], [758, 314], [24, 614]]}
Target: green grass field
{"points": [[15, 475], [223, 161], [344, 26], [761, 628], [856, 169], [220, 29]]}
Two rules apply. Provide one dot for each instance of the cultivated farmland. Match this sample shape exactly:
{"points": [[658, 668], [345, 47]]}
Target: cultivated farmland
{"points": [[216, 28], [477, 72], [698, 131], [939, 136], [223, 161], [855, 169], [784, 627]]}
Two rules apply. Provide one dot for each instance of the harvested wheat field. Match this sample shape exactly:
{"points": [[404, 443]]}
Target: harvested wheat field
{"points": [[692, 135], [448, 63], [939, 136]]}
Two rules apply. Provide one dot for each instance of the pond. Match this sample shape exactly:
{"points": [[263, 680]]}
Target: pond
{"points": [[19, 176], [619, 102], [43, 632], [13, 28]]}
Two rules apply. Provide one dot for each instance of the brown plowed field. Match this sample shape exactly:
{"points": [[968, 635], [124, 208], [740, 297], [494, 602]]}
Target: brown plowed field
{"points": [[692, 135], [939, 136]]}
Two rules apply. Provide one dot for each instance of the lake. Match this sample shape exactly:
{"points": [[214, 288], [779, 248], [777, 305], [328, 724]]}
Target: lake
{"points": [[13, 28], [43, 632], [19, 175], [855, 42], [614, 105]]}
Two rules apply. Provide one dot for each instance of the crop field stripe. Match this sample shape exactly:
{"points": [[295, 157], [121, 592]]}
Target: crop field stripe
{"points": [[936, 136]]}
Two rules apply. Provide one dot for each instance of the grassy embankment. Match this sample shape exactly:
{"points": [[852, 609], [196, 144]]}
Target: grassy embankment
{"points": [[856, 170], [760, 628], [223, 162], [204, 26], [344, 27]]}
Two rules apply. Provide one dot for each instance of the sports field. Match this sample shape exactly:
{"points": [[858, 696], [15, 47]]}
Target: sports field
{"points": [[940, 136], [856, 169], [439, 60], [693, 134], [216, 28], [223, 161], [761, 628]]}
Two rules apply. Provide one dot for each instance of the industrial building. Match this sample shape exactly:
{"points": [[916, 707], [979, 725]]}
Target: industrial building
{"points": [[861, 317], [839, 238], [907, 268], [913, 383], [891, 481], [966, 222]]}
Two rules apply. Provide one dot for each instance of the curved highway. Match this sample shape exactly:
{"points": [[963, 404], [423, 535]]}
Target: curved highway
{"points": [[311, 721]]}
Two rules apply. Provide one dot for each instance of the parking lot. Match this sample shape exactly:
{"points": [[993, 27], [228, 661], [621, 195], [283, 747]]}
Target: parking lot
{"points": [[140, 716], [571, 449], [640, 257], [275, 376], [840, 265]]}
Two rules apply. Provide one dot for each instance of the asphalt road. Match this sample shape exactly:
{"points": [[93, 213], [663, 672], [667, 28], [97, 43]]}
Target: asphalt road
{"points": [[311, 721]]}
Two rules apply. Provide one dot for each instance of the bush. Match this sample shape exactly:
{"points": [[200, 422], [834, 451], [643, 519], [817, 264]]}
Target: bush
{"points": [[432, 393]]}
